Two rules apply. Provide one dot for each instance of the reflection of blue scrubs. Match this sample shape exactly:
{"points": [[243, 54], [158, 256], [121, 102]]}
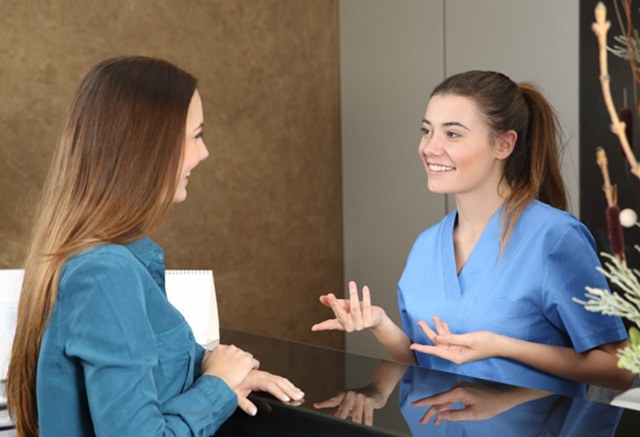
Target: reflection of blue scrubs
{"points": [[547, 416], [525, 293]]}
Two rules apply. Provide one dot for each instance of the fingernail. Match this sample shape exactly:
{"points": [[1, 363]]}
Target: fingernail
{"points": [[298, 395], [252, 411], [286, 398]]}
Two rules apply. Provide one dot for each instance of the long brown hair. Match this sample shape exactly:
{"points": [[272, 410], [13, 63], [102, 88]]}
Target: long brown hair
{"points": [[532, 171], [112, 179]]}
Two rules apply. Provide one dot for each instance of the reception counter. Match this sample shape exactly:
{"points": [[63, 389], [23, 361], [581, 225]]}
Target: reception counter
{"points": [[354, 395], [401, 400]]}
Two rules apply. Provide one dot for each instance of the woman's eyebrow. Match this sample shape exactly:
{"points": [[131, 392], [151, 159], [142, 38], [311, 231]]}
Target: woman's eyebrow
{"points": [[448, 124]]}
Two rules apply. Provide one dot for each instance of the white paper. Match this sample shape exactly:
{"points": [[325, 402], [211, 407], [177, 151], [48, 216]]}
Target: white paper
{"points": [[193, 293], [629, 399], [10, 285]]}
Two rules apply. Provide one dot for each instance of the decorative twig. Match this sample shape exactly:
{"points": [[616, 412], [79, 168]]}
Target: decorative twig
{"points": [[600, 27], [612, 211]]}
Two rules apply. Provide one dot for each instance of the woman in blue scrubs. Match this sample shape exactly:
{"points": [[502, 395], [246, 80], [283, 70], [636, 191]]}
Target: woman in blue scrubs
{"points": [[488, 291], [98, 348]]}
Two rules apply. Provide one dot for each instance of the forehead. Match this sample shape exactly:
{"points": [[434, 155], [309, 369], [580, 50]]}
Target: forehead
{"points": [[194, 114], [445, 108]]}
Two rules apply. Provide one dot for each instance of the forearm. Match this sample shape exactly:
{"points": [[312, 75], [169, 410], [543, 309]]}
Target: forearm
{"points": [[394, 340], [386, 377], [595, 366]]}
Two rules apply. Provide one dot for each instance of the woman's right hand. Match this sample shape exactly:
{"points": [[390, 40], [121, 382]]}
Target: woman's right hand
{"points": [[353, 314], [229, 363]]}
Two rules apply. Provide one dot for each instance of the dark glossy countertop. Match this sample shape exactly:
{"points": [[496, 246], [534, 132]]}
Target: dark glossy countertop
{"points": [[393, 393]]}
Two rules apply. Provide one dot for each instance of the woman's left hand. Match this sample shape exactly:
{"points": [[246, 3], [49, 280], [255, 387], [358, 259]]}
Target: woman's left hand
{"points": [[458, 348], [259, 380]]}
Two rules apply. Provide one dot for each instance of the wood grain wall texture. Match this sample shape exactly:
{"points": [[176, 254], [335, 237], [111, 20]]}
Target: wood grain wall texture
{"points": [[264, 211]]}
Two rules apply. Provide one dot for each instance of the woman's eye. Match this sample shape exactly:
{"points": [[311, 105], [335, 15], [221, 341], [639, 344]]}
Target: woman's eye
{"points": [[425, 130], [452, 134], [200, 136]]}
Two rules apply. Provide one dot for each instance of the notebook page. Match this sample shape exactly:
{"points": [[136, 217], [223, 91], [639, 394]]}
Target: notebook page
{"points": [[193, 293], [10, 285]]}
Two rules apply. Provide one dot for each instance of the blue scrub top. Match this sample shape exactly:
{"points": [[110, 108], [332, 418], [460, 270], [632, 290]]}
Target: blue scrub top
{"points": [[118, 359], [524, 293]]}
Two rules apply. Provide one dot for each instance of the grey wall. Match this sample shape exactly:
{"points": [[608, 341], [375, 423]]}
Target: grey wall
{"points": [[391, 55]]}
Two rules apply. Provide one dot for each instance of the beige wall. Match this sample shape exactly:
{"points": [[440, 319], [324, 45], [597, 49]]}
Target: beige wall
{"points": [[264, 211]]}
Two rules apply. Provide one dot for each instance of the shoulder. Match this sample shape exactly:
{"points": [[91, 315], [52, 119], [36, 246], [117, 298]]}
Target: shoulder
{"points": [[545, 221], [107, 266]]}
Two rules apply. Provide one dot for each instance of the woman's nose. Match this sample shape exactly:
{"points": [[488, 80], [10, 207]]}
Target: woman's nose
{"points": [[429, 146], [204, 152]]}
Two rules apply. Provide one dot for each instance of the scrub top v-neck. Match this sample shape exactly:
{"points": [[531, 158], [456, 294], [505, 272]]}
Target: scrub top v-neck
{"points": [[526, 292]]}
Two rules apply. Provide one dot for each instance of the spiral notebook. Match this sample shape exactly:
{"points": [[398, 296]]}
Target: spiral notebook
{"points": [[193, 293], [10, 285]]}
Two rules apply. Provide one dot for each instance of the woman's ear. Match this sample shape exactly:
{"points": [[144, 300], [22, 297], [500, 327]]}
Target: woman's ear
{"points": [[505, 144]]}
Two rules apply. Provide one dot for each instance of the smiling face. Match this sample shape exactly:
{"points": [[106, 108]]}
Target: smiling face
{"points": [[460, 153], [194, 147]]}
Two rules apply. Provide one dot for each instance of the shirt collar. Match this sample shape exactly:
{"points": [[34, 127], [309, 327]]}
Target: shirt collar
{"points": [[151, 256]]}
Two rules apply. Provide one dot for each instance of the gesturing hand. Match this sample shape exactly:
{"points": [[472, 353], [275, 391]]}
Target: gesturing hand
{"points": [[351, 315], [461, 348]]}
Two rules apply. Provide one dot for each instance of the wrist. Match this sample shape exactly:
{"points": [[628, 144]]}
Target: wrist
{"points": [[505, 346], [383, 324]]}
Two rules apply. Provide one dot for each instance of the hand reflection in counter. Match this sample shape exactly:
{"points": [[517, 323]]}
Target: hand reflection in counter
{"points": [[360, 403], [439, 403], [478, 402], [436, 403]]}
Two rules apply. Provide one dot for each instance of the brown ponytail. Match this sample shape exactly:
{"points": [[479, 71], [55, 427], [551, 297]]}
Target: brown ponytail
{"points": [[532, 171]]}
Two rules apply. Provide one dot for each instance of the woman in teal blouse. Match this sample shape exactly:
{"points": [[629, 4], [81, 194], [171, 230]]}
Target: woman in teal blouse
{"points": [[98, 349]]}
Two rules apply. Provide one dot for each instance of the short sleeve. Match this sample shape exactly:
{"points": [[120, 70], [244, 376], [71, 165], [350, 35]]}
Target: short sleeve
{"points": [[569, 268], [110, 335]]}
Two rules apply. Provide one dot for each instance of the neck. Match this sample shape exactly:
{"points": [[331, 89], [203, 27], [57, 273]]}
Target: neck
{"points": [[475, 211]]}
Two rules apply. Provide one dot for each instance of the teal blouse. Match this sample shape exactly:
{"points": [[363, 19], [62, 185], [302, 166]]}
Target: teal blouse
{"points": [[118, 359]]}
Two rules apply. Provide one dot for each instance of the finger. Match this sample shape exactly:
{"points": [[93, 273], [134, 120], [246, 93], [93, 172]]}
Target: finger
{"points": [[358, 410], [346, 406], [254, 363], [446, 328], [435, 412], [282, 389], [368, 414], [290, 389], [354, 302], [437, 351], [328, 325], [366, 306], [434, 400], [342, 316], [432, 411], [331, 402], [428, 331], [247, 406], [458, 415], [440, 326], [455, 339]]}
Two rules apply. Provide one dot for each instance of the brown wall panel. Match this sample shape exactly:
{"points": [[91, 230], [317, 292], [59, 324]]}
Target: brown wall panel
{"points": [[264, 211]]}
